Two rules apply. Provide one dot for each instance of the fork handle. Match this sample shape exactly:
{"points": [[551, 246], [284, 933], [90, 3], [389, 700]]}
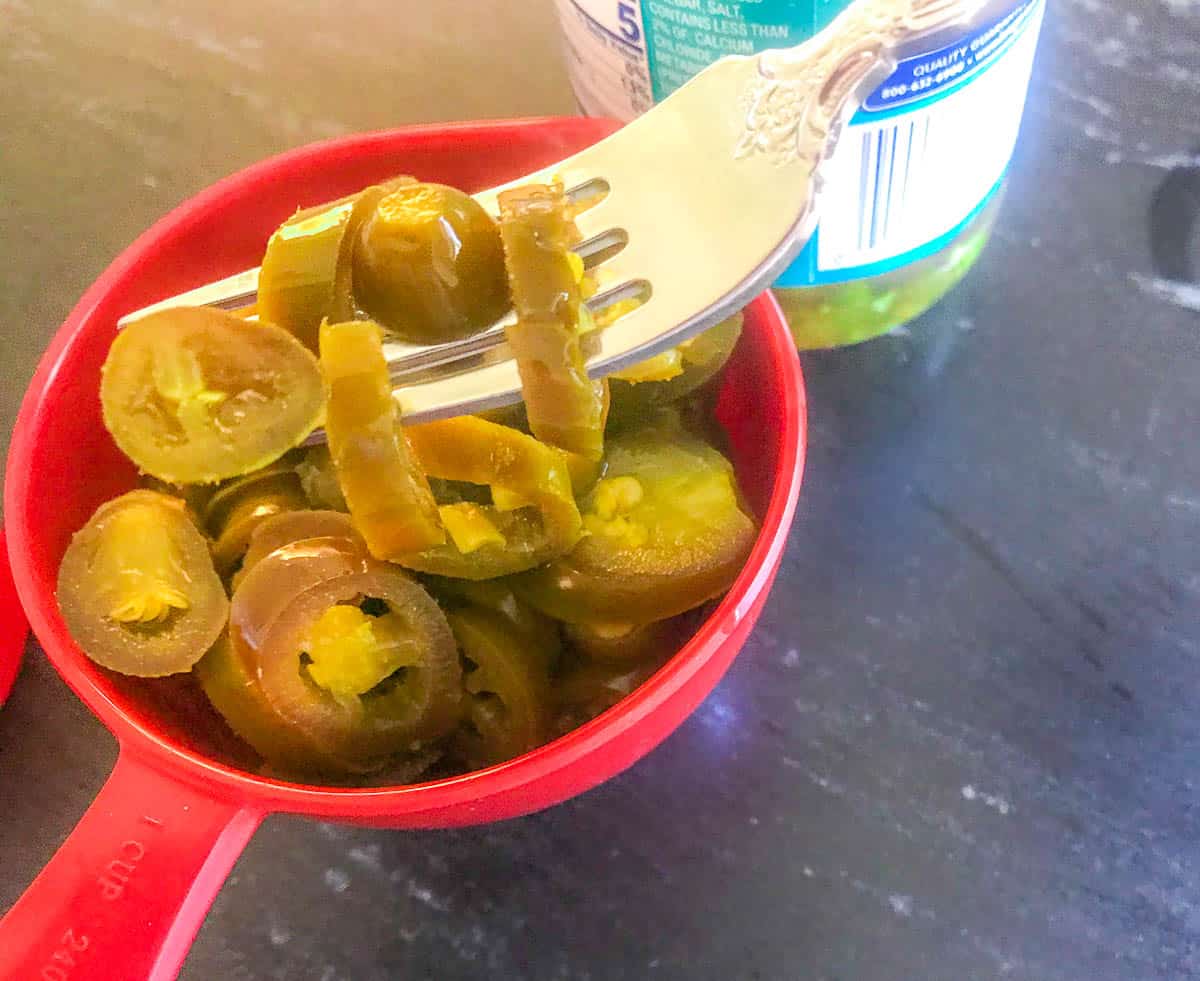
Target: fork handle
{"points": [[801, 94]]}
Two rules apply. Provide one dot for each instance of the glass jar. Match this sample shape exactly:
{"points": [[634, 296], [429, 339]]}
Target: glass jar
{"points": [[913, 187], [859, 309]]}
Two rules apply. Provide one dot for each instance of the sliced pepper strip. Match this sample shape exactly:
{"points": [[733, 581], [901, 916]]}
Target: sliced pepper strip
{"points": [[480, 452], [345, 303], [565, 407], [584, 472], [297, 284], [389, 498], [470, 526]]}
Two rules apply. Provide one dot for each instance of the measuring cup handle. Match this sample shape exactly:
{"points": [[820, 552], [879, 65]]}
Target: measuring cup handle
{"points": [[125, 894]]}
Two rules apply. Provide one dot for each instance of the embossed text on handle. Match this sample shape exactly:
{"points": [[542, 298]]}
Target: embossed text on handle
{"points": [[799, 95]]}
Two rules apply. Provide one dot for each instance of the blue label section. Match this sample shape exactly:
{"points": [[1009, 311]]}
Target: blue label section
{"points": [[925, 78], [805, 272]]}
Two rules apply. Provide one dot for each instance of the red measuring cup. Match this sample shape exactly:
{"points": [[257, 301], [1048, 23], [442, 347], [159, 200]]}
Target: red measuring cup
{"points": [[13, 628], [127, 891]]}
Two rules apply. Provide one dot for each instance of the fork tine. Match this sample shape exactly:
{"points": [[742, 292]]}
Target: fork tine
{"points": [[230, 293], [489, 387]]}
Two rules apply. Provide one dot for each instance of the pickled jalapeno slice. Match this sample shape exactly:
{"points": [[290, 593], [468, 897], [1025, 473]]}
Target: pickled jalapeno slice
{"points": [[195, 496], [298, 277], [593, 687], [137, 587], [195, 395], [584, 473], [292, 569], [319, 479], [428, 264], [233, 688], [239, 507], [350, 650], [565, 407], [666, 531], [637, 391], [290, 527], [545, 521], [624, 642], [507, 688], [539, 633], [389, 497]]}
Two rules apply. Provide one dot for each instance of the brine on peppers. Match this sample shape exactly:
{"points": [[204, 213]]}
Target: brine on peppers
{"points": [[565, 407], [137, 587]]}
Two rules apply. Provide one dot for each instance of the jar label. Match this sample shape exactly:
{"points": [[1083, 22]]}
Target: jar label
{"points": [[918, 162]]}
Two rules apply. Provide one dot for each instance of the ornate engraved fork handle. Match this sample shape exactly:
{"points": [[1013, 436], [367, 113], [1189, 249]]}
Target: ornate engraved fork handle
{"points": [[800, 96]]}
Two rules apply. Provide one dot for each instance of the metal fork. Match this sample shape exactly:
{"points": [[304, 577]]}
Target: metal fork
{"points": [[696, 206]]}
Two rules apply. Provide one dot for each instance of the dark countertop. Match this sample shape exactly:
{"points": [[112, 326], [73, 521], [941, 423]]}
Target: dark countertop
{"points": [[964, 740]]}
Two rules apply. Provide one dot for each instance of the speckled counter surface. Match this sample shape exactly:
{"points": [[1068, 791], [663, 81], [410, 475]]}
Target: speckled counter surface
{"points": [[964, 741]]}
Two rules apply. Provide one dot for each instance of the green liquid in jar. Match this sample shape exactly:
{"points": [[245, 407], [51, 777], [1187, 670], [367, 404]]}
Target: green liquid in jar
{"points": [[852, 312]]}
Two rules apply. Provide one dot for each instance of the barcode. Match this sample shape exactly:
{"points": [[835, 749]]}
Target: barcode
{"points": [[897, 185], [889, 158]]}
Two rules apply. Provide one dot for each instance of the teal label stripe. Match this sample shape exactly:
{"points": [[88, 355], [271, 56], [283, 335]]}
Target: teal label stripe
{"points": [[685, 36], [804, 271]]}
